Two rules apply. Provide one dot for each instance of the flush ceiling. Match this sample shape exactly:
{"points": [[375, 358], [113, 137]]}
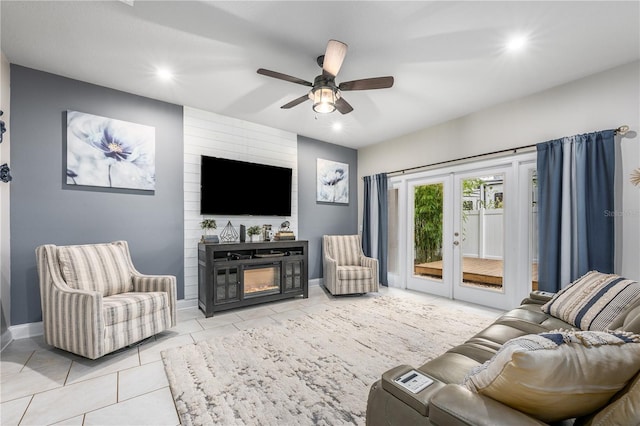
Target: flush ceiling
{"points": [[448, 58]]}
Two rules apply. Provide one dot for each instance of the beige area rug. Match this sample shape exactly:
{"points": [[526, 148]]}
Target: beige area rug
{"points": [[313, 370]]}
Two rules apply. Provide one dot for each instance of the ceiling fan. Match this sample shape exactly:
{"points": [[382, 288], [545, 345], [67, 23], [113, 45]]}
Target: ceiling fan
{"points": [[325, 93]]}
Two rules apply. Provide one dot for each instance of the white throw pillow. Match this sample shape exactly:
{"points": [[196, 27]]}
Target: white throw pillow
{"points": [[560, 374]]}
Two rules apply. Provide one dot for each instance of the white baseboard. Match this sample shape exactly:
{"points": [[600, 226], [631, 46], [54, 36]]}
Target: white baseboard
{"points": [[187, 304], [5, 339], [315, 281], [24, 331]]}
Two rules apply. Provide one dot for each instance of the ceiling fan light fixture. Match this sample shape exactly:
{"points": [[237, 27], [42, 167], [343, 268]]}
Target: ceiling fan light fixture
{"points": [[324, 99]]}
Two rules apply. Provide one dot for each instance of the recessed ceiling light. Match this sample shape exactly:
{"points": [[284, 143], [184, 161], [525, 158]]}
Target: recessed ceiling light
{"points": [[337, 126], [516, 43], [164, 74]]}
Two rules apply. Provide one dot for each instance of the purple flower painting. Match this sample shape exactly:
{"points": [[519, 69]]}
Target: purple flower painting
{"points": [[109, 153], [333, 182]]}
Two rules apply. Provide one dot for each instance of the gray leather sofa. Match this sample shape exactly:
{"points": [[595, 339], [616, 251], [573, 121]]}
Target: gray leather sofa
{"points": [[446, 402]]}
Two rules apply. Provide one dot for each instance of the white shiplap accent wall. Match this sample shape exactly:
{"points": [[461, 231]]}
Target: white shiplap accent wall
{"points": [[206, 133]]}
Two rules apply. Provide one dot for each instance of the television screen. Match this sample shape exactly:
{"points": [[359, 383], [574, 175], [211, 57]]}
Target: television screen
{"points": [[231, 187]]}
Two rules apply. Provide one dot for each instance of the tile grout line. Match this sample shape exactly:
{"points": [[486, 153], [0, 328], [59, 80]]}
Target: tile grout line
{"points": [[27, 361], [24, 413], [68, 373]]}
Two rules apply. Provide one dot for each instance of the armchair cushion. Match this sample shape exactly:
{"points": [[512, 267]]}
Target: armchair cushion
{"points": [[126, 307], [95, 267], [593, 301], [354, 273], [559, 374]]}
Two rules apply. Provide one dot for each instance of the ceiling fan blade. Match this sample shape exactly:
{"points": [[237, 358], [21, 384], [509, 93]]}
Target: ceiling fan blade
{"points": [[295, 102], [367, 84], [284, 77], [333, 57], [343, 106]]}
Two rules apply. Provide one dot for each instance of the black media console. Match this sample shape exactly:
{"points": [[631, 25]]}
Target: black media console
{"points": [[232, 275]]}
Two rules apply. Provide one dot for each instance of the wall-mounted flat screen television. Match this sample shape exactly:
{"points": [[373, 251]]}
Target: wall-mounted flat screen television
{"points": [[232, 187]]}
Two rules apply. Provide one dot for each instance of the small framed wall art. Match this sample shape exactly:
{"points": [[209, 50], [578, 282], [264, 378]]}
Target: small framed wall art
{"points": [[332, 182]]}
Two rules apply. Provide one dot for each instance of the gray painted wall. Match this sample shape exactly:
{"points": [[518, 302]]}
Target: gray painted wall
{"points": [[317, 219], [45, 210]]}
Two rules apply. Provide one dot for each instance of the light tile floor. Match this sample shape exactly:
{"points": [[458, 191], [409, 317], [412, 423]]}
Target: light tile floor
{"points": [[41, 385]]}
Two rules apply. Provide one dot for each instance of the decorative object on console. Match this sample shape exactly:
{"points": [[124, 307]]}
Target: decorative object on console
{"points": [[207, 225], [284, 233], [266, 233], [229, 233], [252, 231], [243, 233], [332, 182], [5, 174], [284, 236], [109, 153]]}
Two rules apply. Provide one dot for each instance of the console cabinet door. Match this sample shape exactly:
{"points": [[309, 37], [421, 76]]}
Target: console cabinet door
{"points": [[227, 284], [293, 275]]}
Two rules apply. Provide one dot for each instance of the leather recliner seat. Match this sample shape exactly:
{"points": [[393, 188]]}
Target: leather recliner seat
{"points": [[446, 402]]}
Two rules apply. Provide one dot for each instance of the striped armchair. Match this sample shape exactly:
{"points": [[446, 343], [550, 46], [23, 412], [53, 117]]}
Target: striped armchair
{"points": [[346, 269], [94, 301]]}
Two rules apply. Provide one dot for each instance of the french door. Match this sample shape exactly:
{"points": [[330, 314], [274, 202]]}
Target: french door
{"points": [[467, 232], [430, 231]]}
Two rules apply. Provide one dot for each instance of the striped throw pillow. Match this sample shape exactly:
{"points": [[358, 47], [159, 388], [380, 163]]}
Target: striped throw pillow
{"points": [[593, 301], [96, 267]]}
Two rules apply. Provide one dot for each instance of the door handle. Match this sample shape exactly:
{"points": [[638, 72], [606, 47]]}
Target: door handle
{"points": [[455, 243]]}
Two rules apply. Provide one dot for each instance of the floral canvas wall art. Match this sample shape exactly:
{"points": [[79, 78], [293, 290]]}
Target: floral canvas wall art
{"points": [[332, 182], [109, 153]]}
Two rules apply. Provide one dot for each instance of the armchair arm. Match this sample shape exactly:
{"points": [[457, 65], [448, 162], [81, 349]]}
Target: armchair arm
{"points": [[455, 405], [73, 319], [329, 272], [166, 283], [538, 297], [372, 263]]}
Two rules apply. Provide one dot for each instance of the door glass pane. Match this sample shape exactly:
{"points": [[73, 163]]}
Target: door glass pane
{"points": [[482, 213], [533, 237], [428, 230]]}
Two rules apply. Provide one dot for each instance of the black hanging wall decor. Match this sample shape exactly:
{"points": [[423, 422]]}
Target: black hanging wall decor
{"points": [[5, 176], [2, 127]]}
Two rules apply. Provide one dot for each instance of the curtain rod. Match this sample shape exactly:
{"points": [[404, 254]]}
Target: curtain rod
{"points": [[622, 130]]}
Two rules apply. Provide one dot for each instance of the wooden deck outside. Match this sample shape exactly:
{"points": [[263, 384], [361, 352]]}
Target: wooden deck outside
{"points": [[475, 270]]}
